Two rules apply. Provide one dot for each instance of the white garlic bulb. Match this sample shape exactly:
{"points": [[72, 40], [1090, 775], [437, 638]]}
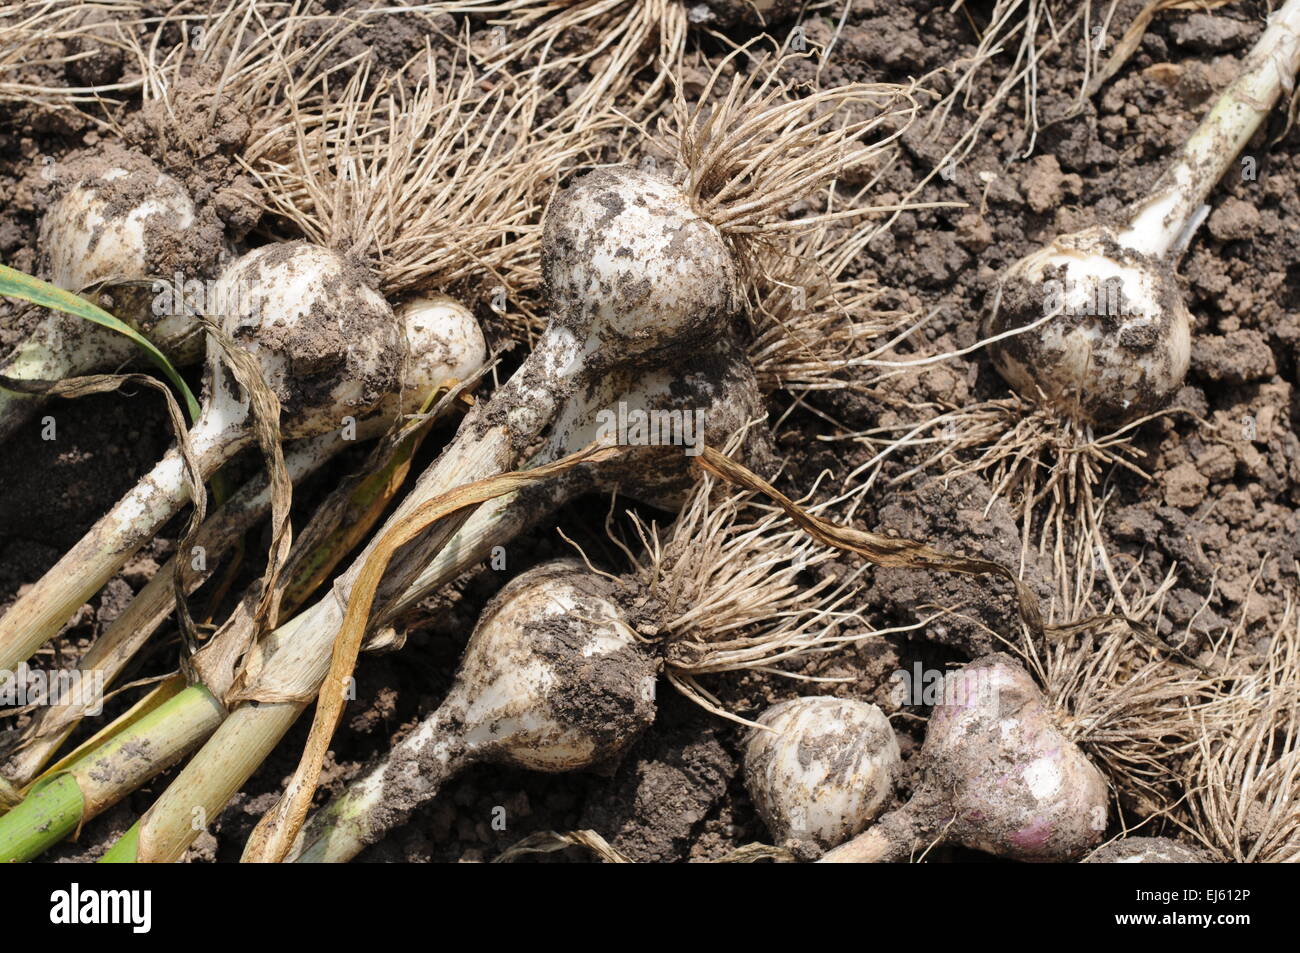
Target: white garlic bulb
{"points": [[823, 770]]}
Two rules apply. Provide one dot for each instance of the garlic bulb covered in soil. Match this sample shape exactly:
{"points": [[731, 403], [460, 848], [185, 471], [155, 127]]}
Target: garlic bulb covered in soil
{"points": [[626, 260], [823, 771], [124, 222], [444, 345], [444, 340], [1146, 850], [995, 774], [552, 680], [1120, 343], [327, 343]]}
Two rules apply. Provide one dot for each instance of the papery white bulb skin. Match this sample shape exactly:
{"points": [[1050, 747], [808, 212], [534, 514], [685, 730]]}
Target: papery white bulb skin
{"points": [[112, 224], [91, 235], [110, 227], [327, 343], [632, 269], [445, 341], [1146, 850], [1119, 342], [823, 770], [445, 345], [552, 680]]}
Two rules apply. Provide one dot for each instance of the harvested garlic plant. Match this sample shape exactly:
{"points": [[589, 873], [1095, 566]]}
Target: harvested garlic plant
{"points": [[996, 774], [552, 680]]}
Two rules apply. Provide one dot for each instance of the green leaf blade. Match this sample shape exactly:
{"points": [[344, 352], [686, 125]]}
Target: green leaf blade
{"points": [[17, 284]]}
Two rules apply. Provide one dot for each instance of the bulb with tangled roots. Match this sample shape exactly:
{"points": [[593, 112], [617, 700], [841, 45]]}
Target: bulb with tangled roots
{"points": [[1108, 337]]}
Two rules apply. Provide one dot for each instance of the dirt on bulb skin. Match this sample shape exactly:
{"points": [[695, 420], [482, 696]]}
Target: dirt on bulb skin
{"points": [[322, 350], [200, 145], [1111, 394], [599, 695], [192, 253]]}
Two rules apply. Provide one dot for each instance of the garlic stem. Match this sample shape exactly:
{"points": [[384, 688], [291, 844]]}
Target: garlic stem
{"points": [[119, 643], [1163, 218], [553, 679], [635, 277], [424, 760], [326, 344], [888, 841]]}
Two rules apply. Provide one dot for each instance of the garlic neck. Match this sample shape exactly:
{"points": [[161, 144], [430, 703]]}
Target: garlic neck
{"points": [[1160, 224]]}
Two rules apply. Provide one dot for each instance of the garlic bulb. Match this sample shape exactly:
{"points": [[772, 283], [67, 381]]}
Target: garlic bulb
{"points": [[823, 770], [626, 256], [114, 225], [1116, 342], [327, 343], [121, 217], [996, 774], [444, 340], [552, 680], [1119, 344]]}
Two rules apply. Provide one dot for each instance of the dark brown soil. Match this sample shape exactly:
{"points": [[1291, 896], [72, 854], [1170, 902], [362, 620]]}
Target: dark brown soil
{"points": [[1221, 502]]}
